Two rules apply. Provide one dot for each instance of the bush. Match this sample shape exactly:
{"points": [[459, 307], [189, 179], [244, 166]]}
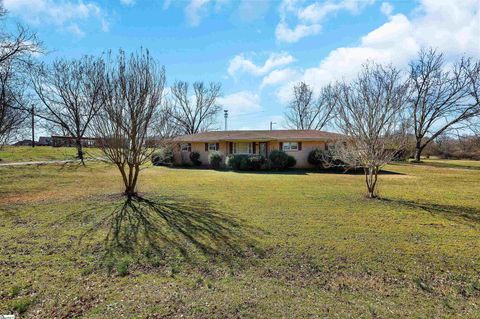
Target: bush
{"points": [[195, 158], [163, 157], [323, 159], [315, 157], [215, 159], [291, 161], [235, 161], [281, 160], [254, 162], [245, 162]]}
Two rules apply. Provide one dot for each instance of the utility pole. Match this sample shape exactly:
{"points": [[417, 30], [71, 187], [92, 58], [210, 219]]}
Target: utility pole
{"points": [[33, 125], [225, 114], [271, 125]]}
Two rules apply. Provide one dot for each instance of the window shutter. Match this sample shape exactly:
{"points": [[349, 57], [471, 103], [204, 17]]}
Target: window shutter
{"points": [[299, 146], [254, 149], [281, 146], [217, 146], [206, 147], [189, 147], [326, 146], [231, 147]]}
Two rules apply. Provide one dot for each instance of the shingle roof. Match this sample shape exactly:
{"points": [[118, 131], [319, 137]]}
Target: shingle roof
{"points": [[265, 135]]}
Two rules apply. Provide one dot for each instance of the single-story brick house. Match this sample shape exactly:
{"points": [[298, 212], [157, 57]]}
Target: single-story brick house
{"points": [[297, 143]]}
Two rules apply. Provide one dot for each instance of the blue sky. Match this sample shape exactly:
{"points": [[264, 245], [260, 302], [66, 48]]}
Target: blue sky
{"points": [[257, 49]]}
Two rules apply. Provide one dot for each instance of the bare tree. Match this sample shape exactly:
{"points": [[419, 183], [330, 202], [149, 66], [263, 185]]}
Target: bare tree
{"points": [[19, 45], [307, 113], [198, 113], [16, 50], [69, 93], [441, 99], [12, 102], [132, 97], [369, 114]]}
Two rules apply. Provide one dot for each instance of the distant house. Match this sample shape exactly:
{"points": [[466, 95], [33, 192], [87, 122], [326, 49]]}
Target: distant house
{"points": [[44, 141], [68, 141], [297, 143], [23, 143]]}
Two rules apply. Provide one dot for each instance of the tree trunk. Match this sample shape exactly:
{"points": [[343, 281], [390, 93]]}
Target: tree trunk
{"points": [[131, 181], [418, 150], [79, 146], [371, 176]]}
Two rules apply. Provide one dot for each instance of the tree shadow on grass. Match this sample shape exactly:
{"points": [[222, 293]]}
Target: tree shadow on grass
{"points": [[468, 215], [164, 230], [303, 171]]}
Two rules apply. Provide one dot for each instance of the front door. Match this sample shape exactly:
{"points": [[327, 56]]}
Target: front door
{"points": [[262, 149]]}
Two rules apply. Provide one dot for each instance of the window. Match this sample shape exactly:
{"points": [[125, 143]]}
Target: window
{"points": [[290, 146], [186, 147], [212, 147], [242, 148]]}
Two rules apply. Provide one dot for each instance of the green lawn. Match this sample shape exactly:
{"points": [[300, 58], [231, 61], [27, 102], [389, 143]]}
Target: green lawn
{"points": [[9, 154], [214, 244], [452, 163]]}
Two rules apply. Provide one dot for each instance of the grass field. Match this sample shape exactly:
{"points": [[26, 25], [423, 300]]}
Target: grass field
{"points": [[206, 244], [9, 154]]}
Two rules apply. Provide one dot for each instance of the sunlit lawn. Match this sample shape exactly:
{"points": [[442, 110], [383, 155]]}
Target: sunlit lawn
{"points": [[228, 245], [9, 154], [452, 163]]}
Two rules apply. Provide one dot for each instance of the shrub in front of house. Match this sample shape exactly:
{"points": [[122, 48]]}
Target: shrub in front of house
{"points": [[281, 160], [324, 159], [195, 158], [215, 159], [315, 157], [291, 161], [243, 162], [237, 161], [163, 157], [254, 162]]}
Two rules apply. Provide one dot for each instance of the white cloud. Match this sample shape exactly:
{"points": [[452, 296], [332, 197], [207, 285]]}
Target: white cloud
{"points": [[194, 11], [285, 34], [63, 14], [75, 29], [386, 8], [241, 102], [128, 2], [250, 11], [310, 17], [279, 76], [240, 63], [198, 9], [451, 26]]}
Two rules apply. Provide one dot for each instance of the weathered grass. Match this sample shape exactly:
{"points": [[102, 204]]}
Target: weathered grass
{"points": [[9, 154], [226, 244]]}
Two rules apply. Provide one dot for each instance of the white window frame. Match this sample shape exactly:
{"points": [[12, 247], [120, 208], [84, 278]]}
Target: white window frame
{"points": [[184, 147], [250, 148], [212, 147], [290, 146]]}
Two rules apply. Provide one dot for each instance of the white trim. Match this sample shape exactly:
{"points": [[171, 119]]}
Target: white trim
{"points": [[250, 148], [290, 146]]}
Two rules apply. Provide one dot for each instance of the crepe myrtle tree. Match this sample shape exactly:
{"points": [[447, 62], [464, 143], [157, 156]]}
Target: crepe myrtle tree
{"points": [[69, 95], [369, 113], [305, 112], [132, 97], [442, 98]]}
